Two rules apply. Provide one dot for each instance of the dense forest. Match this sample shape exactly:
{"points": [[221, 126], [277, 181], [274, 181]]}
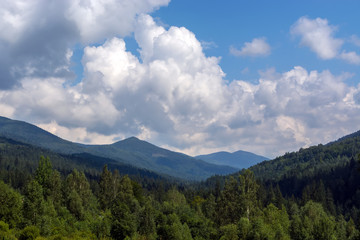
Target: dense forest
{"points": [[51, 205], [310, 194]]}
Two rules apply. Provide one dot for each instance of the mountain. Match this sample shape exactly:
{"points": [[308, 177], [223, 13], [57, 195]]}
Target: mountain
{"points": [[239, 159], [312, 160], [131, 151], [30, 134], [146, 155], [19, 160]]}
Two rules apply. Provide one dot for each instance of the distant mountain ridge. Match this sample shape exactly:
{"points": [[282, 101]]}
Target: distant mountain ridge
{"points": [[24, 158], [31, 134], [239, 159], [312, 160], [131, 151]]}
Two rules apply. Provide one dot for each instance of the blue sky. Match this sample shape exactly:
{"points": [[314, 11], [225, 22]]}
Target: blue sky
{"points": [[193, 76], [231, 23]]}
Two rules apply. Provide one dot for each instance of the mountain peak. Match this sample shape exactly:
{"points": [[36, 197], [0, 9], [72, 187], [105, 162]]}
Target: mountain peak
{"points": [[132, 139], [129, 139], [132, 151], [239, 159], [131, 142]]}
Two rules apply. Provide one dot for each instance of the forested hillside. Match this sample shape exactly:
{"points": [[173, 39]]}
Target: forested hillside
{"points": [[55, 206], [310, 194], [18, 161], [310, 161], [131, 152]]}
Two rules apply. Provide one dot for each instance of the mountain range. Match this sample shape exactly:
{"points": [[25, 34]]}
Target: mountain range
{"points": [[239, 159], [141, 158], [131, 151], [312, 160]]}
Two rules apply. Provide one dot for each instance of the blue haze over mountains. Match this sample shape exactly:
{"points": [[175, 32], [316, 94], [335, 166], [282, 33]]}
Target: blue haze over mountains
{"points": [[131, 151], [239, 159]]}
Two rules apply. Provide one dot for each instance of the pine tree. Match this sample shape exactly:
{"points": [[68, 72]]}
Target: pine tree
{"points": [[43, 175], [229, 206], [33, 202], [106, 195], [248, 193], [10, 205]]}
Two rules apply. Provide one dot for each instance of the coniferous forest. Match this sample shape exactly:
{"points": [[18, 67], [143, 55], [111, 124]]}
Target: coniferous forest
{"points": [[310, 194]]}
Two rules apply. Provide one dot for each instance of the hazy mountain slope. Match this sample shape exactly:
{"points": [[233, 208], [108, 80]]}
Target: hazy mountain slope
{"points": [[23, 158], [31, 134], [161, 160], [311, 160], [129, 151], [239, 159]]}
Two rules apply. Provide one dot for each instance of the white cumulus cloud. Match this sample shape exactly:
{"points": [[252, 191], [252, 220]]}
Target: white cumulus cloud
{"points": [[318, 35], [172, 94], [36, 36], [180, 99], [351, 57], [98, 19], [257, 47]]}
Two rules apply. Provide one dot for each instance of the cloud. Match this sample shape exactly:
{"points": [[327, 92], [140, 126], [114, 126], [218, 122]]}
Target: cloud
{"points": [[351, 57], [208, 45], [78, 134], [34, 41], [98, 20], [176, 95], [257, 47], [355, 40], [318, 35], [292, 128], [172, 94], [37, 36]]}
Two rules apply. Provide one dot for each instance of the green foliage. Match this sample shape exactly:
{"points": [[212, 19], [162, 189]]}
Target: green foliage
{"points": [[43, 174], [172, 228], [310, 161], [229, 232], [75, 205], [5, 232], [101, 225], [78, 194], [238, 199], [50, 206], [244, 228], [313, 223], [108, 188], [248, 192], [229, 207], [147, 225], [124, 211], [10, 205], [29, 233], [278, 221], [33, 203]]}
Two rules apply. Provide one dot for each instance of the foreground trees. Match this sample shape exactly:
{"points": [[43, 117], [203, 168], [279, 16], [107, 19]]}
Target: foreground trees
{"points": [[52, 206]]}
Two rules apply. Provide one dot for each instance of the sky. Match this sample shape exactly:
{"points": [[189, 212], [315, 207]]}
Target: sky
{"points": [[268, 77]]}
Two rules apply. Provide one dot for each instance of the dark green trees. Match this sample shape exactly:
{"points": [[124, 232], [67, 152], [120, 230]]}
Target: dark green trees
{"points": [[33, 203], [65, 207], [78, 195], [312, 222], [10, 205], [125, 211], [238, 199]]}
